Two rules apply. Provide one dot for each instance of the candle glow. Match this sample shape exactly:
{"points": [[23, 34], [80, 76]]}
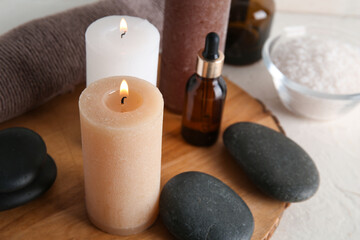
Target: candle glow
{"points": [[123, 27], [124, 88], [124, 91]]}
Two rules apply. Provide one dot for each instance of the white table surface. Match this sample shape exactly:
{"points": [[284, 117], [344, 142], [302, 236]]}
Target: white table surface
{"points": [[334, 212]]}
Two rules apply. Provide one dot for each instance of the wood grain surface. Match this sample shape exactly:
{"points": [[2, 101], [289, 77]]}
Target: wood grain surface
{"points": [[60, 213]]}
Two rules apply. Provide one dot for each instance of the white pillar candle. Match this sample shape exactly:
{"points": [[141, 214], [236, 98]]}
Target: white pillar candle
{"points": [[111, 51], [121, 143]]}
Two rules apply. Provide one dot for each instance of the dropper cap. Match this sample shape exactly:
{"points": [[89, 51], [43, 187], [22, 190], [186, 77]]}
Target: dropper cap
{"points": [[211, 50], [210, 59]]}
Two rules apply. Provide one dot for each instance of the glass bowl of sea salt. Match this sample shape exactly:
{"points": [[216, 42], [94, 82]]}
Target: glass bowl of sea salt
{"points": [[315, 70]]}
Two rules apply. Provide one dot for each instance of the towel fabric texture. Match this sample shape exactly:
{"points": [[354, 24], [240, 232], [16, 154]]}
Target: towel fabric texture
{"points": [[46, 57]]}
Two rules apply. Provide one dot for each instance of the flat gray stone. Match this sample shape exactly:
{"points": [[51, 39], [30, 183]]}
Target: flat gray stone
{"points": [[22, 152], [195, 205], [43, 181], [275, 163]]}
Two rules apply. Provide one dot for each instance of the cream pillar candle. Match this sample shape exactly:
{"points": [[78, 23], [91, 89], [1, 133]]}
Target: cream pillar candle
{"points": [[132, 50], [121, 143]]}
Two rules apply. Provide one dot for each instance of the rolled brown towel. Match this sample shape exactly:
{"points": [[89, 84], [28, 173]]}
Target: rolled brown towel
{"points": [[46, 57]]}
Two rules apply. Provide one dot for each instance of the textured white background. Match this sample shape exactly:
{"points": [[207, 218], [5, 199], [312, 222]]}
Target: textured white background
{"points": [[334, 212]]}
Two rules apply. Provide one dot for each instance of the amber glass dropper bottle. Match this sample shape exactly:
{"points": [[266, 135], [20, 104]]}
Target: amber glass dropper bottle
{"points": [[205, 96]]}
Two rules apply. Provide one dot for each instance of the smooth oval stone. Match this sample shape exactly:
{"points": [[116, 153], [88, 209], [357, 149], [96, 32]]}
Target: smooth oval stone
{"points": [[195, 205], [22, 152], [43, 181], [275, 163]]}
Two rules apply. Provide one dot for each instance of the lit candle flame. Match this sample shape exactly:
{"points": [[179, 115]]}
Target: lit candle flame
{"points": [[124, 91], [123, 27]]}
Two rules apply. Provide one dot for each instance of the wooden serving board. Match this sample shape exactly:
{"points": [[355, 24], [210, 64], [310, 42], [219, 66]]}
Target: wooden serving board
{"points": [[60, 213]]}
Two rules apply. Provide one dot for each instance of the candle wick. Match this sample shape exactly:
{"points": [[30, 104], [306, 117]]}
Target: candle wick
{"points": [[122, 100], [123, 34]]}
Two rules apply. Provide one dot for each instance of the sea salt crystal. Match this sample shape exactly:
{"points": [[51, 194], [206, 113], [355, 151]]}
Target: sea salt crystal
{"points": [[323, 65]]}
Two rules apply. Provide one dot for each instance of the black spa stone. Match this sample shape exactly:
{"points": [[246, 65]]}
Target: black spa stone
{"points": [[22, 152], [195, 205], [275, 163], [40, 185]]}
